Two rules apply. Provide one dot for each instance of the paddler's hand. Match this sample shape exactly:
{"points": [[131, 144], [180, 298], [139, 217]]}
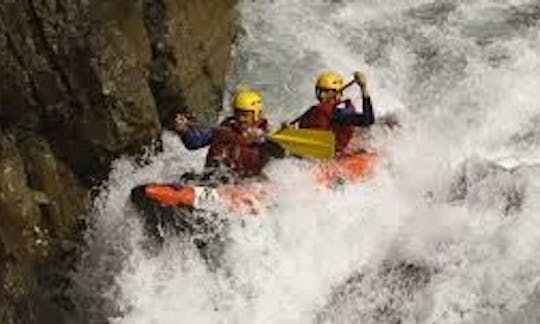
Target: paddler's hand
{"points": [[181, 123], [255, 135], [361, 80]]}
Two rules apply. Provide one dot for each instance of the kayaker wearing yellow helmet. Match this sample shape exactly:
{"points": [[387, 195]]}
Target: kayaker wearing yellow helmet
{"points": [[239, 143], [335, 113]]}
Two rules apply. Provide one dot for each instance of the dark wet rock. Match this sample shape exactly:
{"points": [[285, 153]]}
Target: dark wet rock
{"points": [[20, 239], [57, 192], [82, 83], [190, 43], [377, 296], [75, 72], [40, 201]]}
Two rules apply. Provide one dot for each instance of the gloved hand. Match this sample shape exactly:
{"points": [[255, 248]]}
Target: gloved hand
{"points": [[254, 135], [360, 79], [181, 123]]}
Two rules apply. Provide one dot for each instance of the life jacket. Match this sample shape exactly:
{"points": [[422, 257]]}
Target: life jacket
{"points": [[231, 149], [320, 117]]}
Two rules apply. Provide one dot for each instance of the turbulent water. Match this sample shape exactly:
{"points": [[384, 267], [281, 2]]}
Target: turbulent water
{"points": [[446, 231]]}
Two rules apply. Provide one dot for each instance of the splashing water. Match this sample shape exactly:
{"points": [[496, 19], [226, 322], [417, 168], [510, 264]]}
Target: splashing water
{"points": [[448, 229]]}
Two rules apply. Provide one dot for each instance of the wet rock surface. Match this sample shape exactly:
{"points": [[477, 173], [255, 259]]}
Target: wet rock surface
{"points": [[82, 83]]}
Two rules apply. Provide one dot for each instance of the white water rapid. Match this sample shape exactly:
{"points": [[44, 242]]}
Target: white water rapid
{"points": [[446, 231]]}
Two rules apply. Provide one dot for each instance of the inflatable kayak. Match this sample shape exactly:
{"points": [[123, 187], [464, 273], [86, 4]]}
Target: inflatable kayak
{"points": [[168, 209], [164, 219], [237, 198], [194, 205], [194, 211], [249, 199], [347, 169]]}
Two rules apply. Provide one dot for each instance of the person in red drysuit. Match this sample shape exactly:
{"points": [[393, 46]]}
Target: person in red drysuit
{"points": [[239, 143], [335, 113]]}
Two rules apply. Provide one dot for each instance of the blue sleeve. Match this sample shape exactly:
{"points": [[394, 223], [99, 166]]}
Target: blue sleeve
{"points": [[197, 137], [341, 116], [351, 117]]}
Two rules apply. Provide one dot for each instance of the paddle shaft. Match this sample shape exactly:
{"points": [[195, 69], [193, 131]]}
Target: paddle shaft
{"points": [[350, 83]]}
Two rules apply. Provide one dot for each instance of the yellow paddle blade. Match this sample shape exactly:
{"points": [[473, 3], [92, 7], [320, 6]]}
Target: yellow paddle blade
{"points": [[310, 143]]}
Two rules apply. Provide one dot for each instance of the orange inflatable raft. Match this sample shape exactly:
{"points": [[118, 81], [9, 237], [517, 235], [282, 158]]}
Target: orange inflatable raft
{"points": [[248, 199], [346, 169], [242, 199]]}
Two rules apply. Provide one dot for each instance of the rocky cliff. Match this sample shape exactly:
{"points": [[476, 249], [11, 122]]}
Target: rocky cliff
{"points": [[83, 81]]}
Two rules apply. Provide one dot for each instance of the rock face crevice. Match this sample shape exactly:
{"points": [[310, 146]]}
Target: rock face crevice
{"points": [[82, 82], [190, 43]]}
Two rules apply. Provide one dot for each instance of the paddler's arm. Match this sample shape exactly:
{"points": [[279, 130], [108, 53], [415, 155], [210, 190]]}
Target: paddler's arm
{"points": [[193, 136], [346, 117], [367, 118], [351, 117]]}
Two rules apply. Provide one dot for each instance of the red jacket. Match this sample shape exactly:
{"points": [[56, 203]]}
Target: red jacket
{"points": [[230, 147], [320, 117]]}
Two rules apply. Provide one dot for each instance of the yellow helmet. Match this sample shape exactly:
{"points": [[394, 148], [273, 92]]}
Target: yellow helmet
{"points": [[246, 100], [330, 81]]}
